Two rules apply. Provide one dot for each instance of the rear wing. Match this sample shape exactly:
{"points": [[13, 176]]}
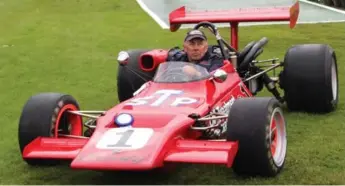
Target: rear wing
{"points": [[234, 16]]}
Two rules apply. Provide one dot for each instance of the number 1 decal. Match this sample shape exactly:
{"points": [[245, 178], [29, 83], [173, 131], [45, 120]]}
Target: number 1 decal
{"points": [[125, 138]]}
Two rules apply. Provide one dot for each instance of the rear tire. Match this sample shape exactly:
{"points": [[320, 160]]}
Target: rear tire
{"points": [[42, 115], [310, 78], [251, 122], [127, 81]]}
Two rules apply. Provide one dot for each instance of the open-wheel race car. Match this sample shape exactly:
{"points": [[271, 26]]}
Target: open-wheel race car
{"points": [[166, 116]]}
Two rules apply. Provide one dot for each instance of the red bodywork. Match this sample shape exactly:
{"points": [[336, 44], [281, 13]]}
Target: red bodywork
{"points": [[171, 138], [150, 60]]}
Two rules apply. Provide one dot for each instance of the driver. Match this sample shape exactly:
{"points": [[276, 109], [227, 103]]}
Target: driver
{"points": [[195, 50]]}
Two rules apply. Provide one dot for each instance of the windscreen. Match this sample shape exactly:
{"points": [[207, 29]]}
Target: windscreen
{"points": [[180, 72]]}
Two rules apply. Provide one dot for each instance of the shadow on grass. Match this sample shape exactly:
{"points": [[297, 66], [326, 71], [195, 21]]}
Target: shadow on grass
{"points": [[176, 174]]}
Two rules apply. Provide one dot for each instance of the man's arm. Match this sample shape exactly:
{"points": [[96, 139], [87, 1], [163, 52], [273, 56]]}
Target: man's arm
{"points": [[191, 71]]}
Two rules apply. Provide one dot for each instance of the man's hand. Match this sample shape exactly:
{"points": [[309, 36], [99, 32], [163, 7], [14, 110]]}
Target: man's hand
{"points": [[191, 71]]}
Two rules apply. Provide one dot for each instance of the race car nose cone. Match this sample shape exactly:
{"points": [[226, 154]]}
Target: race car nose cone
{"points": [[124, 119]]}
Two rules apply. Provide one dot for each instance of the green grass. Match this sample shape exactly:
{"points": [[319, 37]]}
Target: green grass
{"points": [[71, 46]]}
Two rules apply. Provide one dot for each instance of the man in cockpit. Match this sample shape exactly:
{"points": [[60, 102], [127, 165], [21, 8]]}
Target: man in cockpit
{"points": [[195, 50]]}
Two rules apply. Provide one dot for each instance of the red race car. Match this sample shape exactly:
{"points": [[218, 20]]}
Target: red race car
{"points": [[166, 116]]}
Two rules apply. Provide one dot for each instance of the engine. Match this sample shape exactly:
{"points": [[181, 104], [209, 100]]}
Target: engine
{"points": [[150, 60]]}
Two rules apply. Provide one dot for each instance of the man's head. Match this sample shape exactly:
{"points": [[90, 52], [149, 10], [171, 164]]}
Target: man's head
{"points": [[195, 45]]}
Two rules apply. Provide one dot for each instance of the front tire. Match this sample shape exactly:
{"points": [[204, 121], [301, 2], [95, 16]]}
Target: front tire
{"points": [[259, 126], [45, 115]]}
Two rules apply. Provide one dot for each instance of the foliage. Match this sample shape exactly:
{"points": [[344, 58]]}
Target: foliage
{"points": [[332, 3]]}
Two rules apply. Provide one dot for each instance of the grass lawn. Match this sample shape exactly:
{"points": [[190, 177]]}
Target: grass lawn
{"points": [[71, 46]]}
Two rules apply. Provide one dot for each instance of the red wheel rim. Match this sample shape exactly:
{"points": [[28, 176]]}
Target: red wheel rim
{"points": [[277, 137], [74, 121], [274, 138]]}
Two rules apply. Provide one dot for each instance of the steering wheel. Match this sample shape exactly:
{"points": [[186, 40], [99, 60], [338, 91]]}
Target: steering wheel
{"points": [[219, 38], [173, 75]]}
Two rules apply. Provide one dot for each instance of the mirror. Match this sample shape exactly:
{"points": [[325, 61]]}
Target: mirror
{"points": [[122, 57], [220, 75]]}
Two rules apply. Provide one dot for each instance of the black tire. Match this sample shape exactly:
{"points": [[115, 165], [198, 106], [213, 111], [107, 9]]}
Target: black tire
{"points": [[127, 81], [249, 123], [308, 78], [39, 116]]}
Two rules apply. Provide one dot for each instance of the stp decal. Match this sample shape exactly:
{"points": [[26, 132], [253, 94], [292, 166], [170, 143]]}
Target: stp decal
{"points": [[162, 96]]}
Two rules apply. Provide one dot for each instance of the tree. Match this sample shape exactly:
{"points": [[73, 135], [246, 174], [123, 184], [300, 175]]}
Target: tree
{"points": [[332, 3]]}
